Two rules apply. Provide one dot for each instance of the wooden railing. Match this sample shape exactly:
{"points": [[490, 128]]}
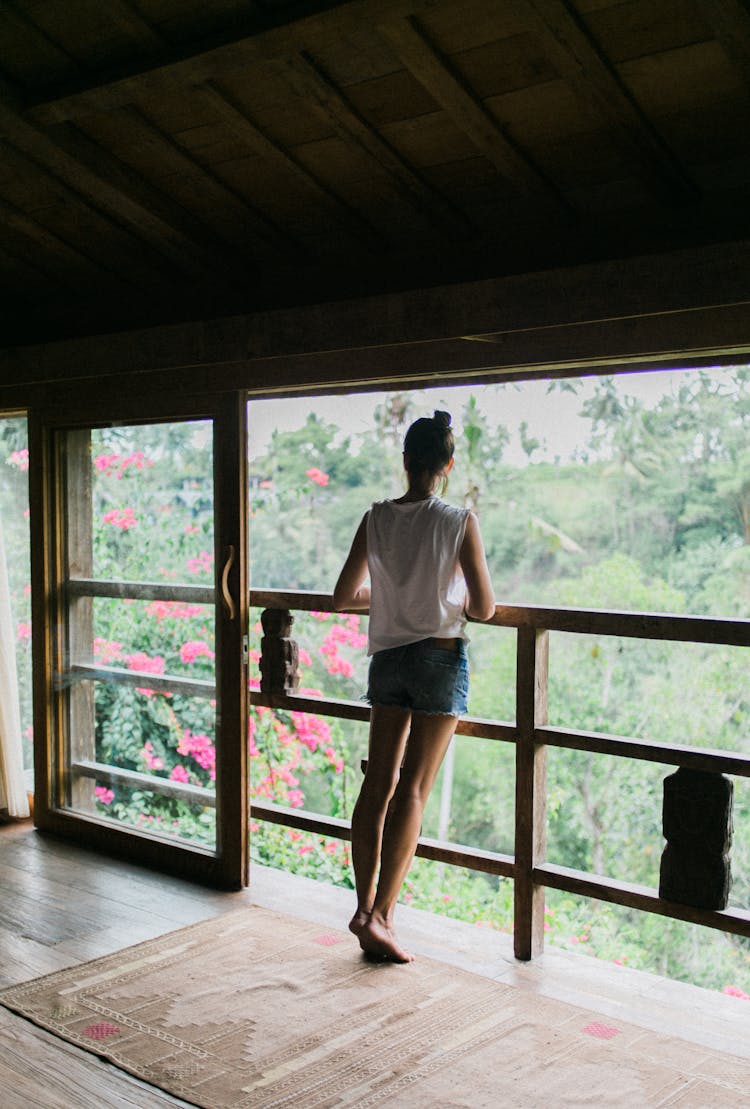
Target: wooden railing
{"points": [[531, 735]]}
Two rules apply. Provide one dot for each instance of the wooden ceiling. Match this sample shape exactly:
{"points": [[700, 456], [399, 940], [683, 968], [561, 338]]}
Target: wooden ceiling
{"points": [[162, 160]]}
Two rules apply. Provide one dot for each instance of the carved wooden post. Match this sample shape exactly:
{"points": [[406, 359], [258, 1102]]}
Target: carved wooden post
{"points": [[279, 655], [697, 825]]}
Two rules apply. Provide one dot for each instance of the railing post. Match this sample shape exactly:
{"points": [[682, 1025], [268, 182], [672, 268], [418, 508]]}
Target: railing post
{"points": [[532, 660]]}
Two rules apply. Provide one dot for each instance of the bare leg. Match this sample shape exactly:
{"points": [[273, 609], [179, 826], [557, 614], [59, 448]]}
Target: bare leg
{"points": [[428, 741], [389, 728]]}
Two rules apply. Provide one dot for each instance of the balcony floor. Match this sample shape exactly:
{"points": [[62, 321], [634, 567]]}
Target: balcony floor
{"points": [[63, 905], [704, 1017]]}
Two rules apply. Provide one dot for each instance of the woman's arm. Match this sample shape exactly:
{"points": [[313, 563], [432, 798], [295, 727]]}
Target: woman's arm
{"points": [[480, 596], [350, 593]]}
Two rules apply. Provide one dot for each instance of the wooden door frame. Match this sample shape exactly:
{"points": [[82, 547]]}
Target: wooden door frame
{"points": [[227, 867]]}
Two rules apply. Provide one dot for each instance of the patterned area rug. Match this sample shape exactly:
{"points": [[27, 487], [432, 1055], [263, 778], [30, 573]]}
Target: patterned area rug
{"points": [[258, 1009]]}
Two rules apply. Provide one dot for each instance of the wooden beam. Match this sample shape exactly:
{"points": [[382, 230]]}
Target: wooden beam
{"points": [[43, 44], [256, 140], [135, 214], [448, 88], [730, 21], [308, 78], [200, 251], [151, 266], [55, 248], [233, 217], [124, 16], [667, 309], [274, 34], [580, 61]]}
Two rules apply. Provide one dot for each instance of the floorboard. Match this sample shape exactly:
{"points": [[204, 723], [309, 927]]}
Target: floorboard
{"points": [[62, 905]]}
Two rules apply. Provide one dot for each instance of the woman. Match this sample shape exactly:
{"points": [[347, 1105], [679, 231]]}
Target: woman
{"points": [[428, 572]]}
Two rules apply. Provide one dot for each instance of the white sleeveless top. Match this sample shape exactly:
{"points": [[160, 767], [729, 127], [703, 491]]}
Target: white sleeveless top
{"points": [[417, 589]]}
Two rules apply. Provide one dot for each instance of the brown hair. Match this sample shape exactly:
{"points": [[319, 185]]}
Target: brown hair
{"points": [[429, 445]]}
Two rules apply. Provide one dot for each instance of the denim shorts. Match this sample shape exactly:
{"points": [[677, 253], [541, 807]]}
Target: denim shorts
{"points": [[422, 677]]}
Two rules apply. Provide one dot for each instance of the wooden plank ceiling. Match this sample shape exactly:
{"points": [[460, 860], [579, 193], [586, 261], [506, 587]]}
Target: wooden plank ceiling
{"points": [[162, 160]]}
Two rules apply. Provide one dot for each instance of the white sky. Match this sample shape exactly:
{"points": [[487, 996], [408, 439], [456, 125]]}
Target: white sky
{"points": [[553, 418]]}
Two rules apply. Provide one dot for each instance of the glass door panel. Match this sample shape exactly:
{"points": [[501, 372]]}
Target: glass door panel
{"points": [[144, 636], [139, 662]]}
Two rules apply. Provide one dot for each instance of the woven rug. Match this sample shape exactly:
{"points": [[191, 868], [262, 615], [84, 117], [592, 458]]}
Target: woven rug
{"points": [[258, 1009]]}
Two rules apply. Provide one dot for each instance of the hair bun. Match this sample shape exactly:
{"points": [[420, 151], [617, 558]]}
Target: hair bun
{"points": [[442, 419]]}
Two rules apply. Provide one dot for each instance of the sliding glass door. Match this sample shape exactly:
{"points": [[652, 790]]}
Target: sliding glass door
{"points": [[140, 676]]}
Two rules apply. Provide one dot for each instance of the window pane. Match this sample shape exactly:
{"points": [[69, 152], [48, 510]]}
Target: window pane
{"points": [[14, 522], [139, 675]]}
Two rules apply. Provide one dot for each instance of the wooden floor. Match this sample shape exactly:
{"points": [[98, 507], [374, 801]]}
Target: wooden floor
{"points": [[62, 905]]}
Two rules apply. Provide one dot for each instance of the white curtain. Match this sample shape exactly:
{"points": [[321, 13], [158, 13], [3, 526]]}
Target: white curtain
{"points": [[13, 796]]}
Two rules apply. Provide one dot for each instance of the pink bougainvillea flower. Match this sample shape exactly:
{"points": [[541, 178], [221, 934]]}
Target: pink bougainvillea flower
{"points": [[149, 756], [122, 518], [23, 630], [195, 648], [201, 563], [317, 476], [176, 609], [305, 849], [19, 459], [105, 463], [106, 796], [148, 664], [735, 991], [201, 748], [107, 651], [311, 730], [179, 774]]}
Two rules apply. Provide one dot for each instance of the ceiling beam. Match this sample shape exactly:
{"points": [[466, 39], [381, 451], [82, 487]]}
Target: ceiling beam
{"points": [[124, 16], [448, 88], [204, 252], [233, 217], [255, 139], [730, 22], [56, 250], [274, 34], [309, 80], [137, 215], [579, 61]]}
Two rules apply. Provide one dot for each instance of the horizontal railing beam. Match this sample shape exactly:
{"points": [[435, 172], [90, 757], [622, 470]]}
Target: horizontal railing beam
{"points": [[161, 683], [141, 590], [646, 750], [736, 921], [135, 779], [632, 625], [354, 710], [333, 826]]}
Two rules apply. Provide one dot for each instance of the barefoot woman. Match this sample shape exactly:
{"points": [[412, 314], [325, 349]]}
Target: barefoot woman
{"points": [[427, 571]]}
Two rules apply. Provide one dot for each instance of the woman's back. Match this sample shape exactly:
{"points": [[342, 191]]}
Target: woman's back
{"points": [[417, 587]]}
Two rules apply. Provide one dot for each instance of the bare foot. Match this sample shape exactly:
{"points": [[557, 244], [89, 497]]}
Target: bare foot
{"points": [[378, 941], [358, 921]]}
